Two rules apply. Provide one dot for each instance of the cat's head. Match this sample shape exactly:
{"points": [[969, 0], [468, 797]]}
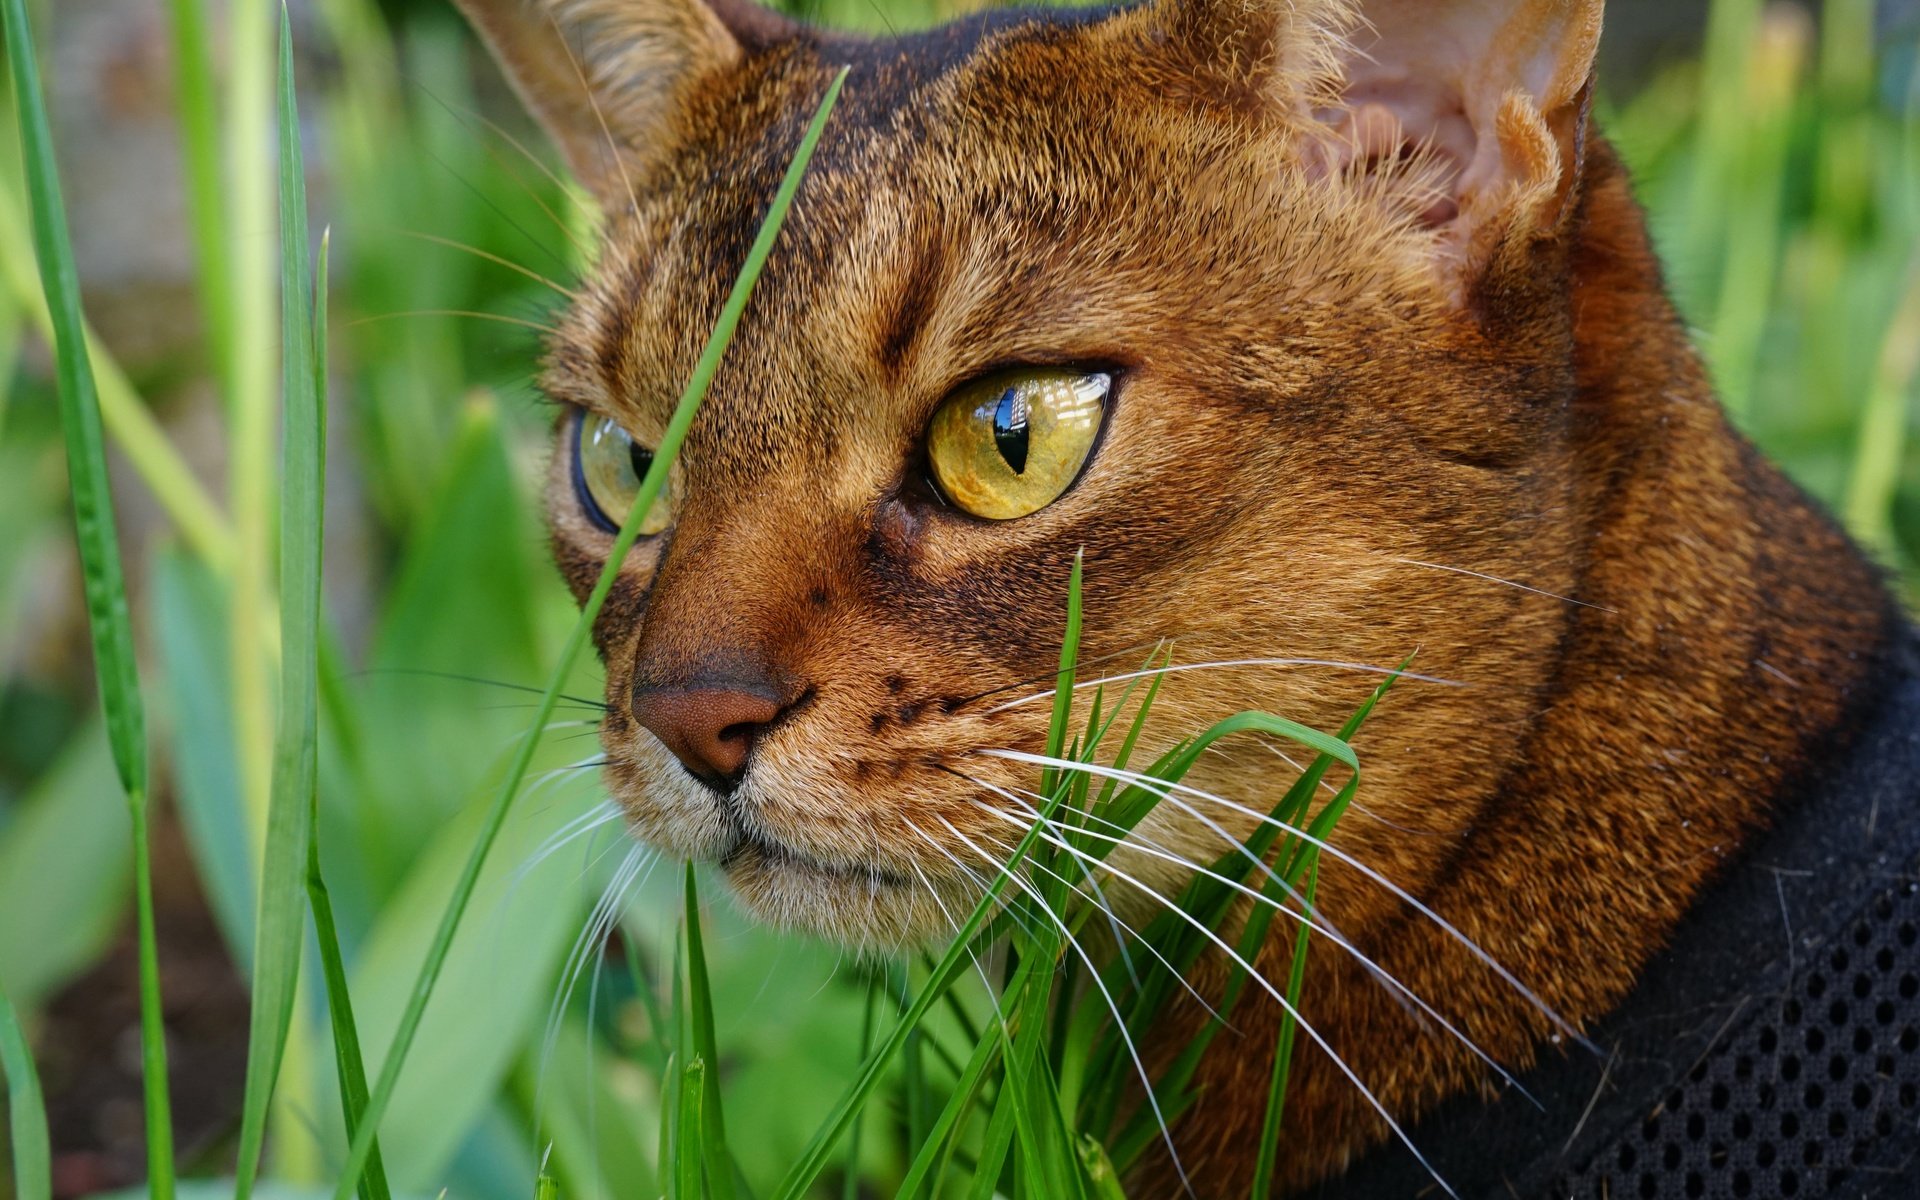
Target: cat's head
{"points": [[1259, 303]]}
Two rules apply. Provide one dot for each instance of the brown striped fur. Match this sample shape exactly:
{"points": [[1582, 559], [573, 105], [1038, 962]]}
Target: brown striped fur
{"points": [[1346, 364]]}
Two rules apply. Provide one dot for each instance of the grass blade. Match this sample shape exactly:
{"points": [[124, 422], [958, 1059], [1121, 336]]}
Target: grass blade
{"points": [[691, 1151], [1283, 1048], [1063, 681], [32, 1168], [347, 1059], [106, 592], [713, 1144], [278, 941], [656, 477], [850, 1186], [199, 141], [1880, 446], [105, 583], [994, 1150], [349, 1064], [939, 1140]]}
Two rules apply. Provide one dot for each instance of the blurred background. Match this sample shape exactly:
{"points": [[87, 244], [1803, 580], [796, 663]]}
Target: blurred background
{"points": [[1774, 145]]}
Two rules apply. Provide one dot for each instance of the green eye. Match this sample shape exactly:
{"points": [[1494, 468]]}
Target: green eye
{"points": [[1010, 444], [607, 468]]}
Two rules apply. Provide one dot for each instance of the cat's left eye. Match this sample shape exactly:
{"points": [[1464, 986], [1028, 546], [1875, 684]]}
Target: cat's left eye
{"points": [[1013, 443], [608, 466]]}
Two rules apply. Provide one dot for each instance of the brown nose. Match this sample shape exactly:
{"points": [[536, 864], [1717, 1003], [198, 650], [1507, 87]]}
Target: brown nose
{"points": [[711, 730]]}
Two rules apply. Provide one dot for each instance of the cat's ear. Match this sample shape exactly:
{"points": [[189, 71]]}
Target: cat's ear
{"points": [[1479, 107], [605, 76]]}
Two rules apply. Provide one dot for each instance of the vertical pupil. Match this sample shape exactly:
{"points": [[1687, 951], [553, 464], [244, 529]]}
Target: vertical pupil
{"points": [[1010, 429], [642, 459]]}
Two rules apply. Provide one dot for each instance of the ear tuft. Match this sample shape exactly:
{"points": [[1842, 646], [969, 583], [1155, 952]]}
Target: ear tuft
{"points": [[1490, 96], [1279, 53], [604, 76], [1464, 116]]}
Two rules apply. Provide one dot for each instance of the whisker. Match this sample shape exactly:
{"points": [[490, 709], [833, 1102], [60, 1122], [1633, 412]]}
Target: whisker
{"points": [[1165, 789], [1414, 562], [465, 116], [1081, 861], [1093, 973], [1373, 968], [599, 922], [993, 997], [984, 885], [593, 101], [524, 706], [1305, 1027], [491, 257], [1176, 668], [502, 213], [1036, 798], [1115, 924], [1085, 870], [1055, 671], [479, 679], [600, 814], [454, 312]]}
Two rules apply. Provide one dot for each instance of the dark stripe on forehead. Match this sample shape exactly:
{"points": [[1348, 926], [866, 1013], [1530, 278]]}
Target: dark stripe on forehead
{"points": [[743, 130], [933, 52]]}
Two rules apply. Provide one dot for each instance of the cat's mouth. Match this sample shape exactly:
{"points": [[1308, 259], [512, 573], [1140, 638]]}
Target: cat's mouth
{"points": [[753, 852]]}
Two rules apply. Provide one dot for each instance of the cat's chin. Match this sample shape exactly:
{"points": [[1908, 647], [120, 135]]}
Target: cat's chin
{"points": [[857, 907]]}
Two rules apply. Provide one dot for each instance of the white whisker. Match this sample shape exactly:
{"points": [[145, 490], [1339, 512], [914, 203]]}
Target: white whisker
{"points": [[993, 997], [1326, 931], [1086, 870], [600, 921], [603, 813], [1307, 1028], [985, 885], [1165, 789], [1176, 668], [1081, 861], [1414, 562], [1093, 972]]}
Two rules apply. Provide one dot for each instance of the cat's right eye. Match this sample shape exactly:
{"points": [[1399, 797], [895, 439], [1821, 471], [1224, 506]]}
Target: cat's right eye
{"points": [[1013, 443], [608, 466]]}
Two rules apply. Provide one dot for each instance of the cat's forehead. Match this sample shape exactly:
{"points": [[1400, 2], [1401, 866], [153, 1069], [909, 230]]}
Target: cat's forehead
{"points": [[991, 193]]}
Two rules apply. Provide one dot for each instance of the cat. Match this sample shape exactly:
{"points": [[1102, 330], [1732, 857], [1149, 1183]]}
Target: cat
{"points": [[1330, 332]]}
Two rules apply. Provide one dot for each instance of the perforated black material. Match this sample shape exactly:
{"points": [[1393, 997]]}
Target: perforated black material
{"points": [[1771, 1049], [1816, 1091]]}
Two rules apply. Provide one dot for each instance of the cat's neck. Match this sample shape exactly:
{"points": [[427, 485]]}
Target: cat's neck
{"points": [[1729, 637]]}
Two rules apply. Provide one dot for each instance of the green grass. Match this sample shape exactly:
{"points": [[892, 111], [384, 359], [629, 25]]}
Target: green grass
{"points": [[104, 586], [289, 872], [28, 1122], [407, 812]]}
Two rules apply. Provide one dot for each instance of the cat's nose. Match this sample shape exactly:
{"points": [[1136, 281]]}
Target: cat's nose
{"points": [[711, 730]]}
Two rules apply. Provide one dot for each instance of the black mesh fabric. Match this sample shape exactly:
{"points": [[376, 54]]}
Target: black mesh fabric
{"points": [[1817, 1094], [1772, 1049]]}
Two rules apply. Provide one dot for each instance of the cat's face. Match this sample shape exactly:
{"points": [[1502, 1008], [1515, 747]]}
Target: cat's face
{"points": [[1051, 288]]}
